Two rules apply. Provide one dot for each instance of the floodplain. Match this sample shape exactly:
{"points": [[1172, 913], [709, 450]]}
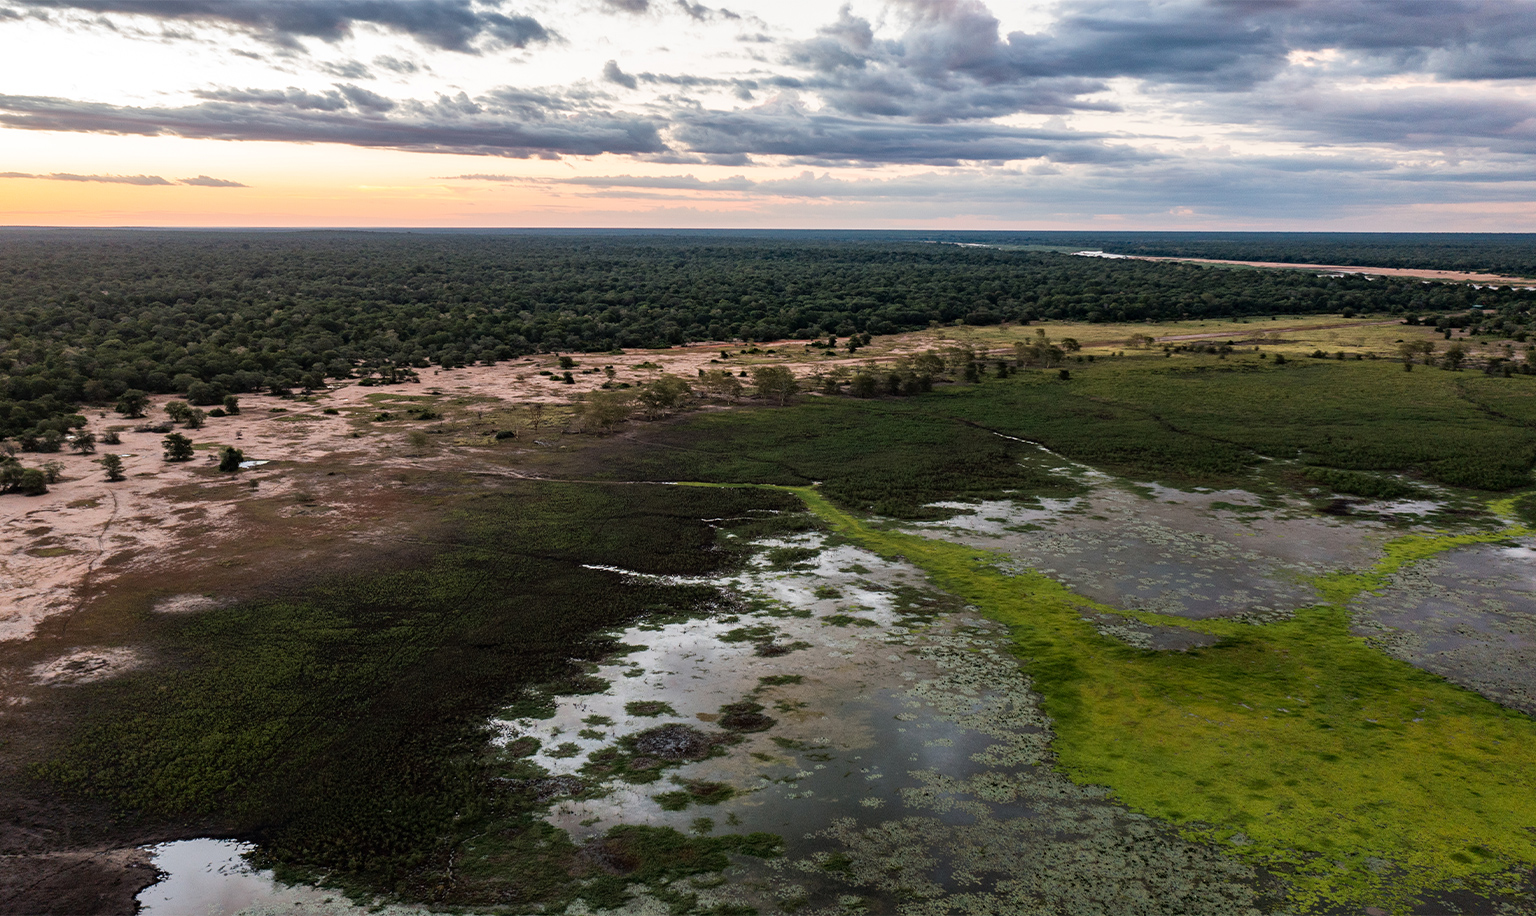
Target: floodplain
{"points": [[1182, 628]]}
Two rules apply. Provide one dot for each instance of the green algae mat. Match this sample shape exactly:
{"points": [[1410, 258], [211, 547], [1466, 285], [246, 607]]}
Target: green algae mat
{"points": [[1359, 779]]}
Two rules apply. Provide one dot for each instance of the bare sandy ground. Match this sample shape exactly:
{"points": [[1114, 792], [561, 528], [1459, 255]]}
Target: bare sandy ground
{"points": [[1453, 276], [86, 528]]}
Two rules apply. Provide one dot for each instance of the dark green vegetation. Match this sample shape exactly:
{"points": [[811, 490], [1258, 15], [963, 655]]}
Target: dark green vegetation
{"points": [[1371, 486], [654, 854], [1199, 419], [87, 317], [890, 457], [695, 793], [343, 725]]}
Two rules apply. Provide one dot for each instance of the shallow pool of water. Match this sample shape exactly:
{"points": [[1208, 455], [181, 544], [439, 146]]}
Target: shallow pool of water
{"points": [[212, 878], [1468, 615]]}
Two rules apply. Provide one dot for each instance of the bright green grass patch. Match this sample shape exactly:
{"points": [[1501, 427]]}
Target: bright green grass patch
{"points": [[1324, 753]]}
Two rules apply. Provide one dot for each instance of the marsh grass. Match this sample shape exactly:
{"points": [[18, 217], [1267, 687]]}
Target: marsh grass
{"points": [[1308, 751], [343, 724], [1193, 419]]}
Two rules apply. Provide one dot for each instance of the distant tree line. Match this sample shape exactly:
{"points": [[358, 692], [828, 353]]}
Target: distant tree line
{"points": [[88, 317], [1483, 252]]}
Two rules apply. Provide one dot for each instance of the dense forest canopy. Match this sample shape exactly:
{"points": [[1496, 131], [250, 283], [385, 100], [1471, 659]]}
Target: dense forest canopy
{"points": [[87, 315]]}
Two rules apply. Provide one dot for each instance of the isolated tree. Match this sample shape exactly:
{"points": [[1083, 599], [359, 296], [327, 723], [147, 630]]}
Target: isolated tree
{"points": [[33, 482], [928, 363], [666, 393], [231, 404], [177, 411], [132, 403], [720, 384], [85, 443], [177, 447], [535, 416], [230, 458], [603, 410], [863, 385], [53, 471], [1070, 344], [1411, 348], [961, 362], [194, 418], [113, 465], [1455, 355], [775, 382], [1039, 351]]}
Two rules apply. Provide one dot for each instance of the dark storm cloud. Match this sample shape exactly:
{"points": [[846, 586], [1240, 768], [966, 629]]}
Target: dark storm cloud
{"points": [[452, 25], [202, 181], [510, 123]]}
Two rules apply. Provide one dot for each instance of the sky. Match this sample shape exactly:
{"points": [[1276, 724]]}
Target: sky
{"points": [[912, 114]]}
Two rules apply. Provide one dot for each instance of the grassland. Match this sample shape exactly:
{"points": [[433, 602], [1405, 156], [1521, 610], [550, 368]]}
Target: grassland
{"points": [[1190, 419]]}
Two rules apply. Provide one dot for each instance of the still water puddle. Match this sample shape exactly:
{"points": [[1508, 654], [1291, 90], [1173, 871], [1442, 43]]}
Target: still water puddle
{"points": [[213, 878], [908, 759], [1468, 615], [1193, 554]]}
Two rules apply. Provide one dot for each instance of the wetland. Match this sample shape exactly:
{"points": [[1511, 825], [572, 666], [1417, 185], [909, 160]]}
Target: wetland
{"points": [[1187, 627]]}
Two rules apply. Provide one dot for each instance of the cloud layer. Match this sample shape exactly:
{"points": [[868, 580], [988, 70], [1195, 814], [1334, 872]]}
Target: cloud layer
{"points": [[1187, 105], [449, 25], [201, 181]]}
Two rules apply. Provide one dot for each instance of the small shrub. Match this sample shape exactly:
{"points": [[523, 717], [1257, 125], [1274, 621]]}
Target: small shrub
{"points": [[230, 458], [33, 482], [177, 447]]}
